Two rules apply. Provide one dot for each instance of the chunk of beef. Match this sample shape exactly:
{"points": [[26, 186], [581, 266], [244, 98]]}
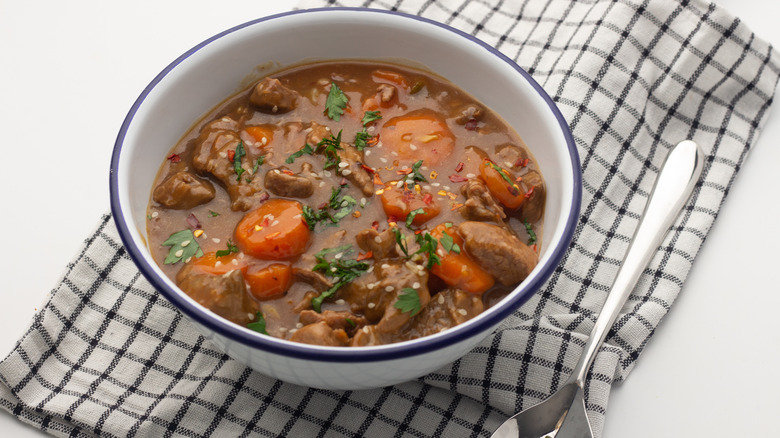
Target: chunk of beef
{"points": [[381, 244], [212, 156], [225, 295], [447, 309], [183, 190], [479, 204], [313, 278], [532, 209], [320, 333], [511, 157], [335, 319], [374, 295], [353, 170], [270, 96], [498, 251], [282, 182]]}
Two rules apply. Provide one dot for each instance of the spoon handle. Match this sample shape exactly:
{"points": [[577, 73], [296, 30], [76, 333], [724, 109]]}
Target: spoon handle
{"points": [[672, 188]]}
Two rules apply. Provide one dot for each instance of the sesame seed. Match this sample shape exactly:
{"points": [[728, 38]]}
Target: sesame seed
{"points": [[383, 159], [297, 216], [299, 325], [282, 329], [234, 261], [327, 173], [223, 154], [277, 171], [274, 223], [340, 302], [412, 147], [411, 265], [400, 184], [371, 286], [378, 239], [155, 213], [327, 128], [426, 187], [322, 183], [188, 260], [346, 172], [416, 285], [440, 299], [385, 266], [275, 108], [338, 256], [264, 141], [367, 152], [185, 243], [293, 331], [470, 175], [389, 288], [215, 240], [218, 263], [421, 273], [343, 164], [371, 305], [416, 258], [365, 329], [370, 269], [508, 164], [363, 202], [179, 253], [463, 312], [251, 317], [447, 188], [333, 269], [435, 184]]}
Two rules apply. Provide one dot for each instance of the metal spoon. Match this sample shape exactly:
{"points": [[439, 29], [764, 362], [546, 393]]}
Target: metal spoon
{"points": [[563, 415]]}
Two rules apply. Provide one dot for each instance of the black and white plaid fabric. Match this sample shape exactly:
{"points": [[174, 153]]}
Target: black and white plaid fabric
{"points": [[108, 356]]}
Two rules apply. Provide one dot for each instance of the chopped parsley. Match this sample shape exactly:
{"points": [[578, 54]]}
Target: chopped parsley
{"points": [[336, 102], [213, 213], [341, 206], [231, 248], [411, 216], [341, 269], [258, 325], [448, 243], [408, 301], [350, 322], [531, 234], [328, 147], [183, 247], [305, 150], [428, 245], [240, 153], [416, 175], [370, 116]]}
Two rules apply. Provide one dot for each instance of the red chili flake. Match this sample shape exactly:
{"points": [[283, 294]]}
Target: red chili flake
{"points": [[343, 181], [418, 231], [534, 247], [362, 256], [375, 225], [529, 192], [175, 158], [272, 235], [265, 222], [459, 167], [323, 205], [458, 178], [373, 140], [264, 197], [522, 162], [367, 169], [406, 171], [193, 222], [471, 125], [231, 155], [427, 199], [518, 179], [392, 219], [287, 172], [456, 206], [378, 181], [513, 190]]}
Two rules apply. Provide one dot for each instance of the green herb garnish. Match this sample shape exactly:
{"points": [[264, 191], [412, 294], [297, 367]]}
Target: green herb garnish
{"points": [[428, 245], [258, 163], [329, 147], [336, 102], [350, 322], [258, 325], [408, 301], [341, 269], [531, 234], [512, 186], [370, 116], [305, 150], [410, 217], [240, 153], [213, 213], [448, 243], [400, 239], [416, 175], [231, 248], [341, 206], [183, 247]]}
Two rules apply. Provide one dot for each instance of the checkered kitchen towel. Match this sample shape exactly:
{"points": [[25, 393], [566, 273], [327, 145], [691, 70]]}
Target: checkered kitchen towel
{"points": [[108, 356]]}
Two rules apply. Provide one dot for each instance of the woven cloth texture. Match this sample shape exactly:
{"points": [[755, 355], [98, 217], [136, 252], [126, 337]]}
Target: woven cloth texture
{"points": [[108, 356]]}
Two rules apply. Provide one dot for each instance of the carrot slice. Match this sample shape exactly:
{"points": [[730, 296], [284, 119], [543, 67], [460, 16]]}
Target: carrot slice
{"points": [[501, 184], [399, 202], [259, 133], [458, 269], [212, 264], [269, 282], [418, 135], [273, 231]]}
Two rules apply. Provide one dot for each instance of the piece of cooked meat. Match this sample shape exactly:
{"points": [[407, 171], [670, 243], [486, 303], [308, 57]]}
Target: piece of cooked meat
{"points": [[335, 319], [532, 209], [225, 295], [381, 244], [270, 96], [320, 333], [498, 251], [479, 204], [183, 190], [353, 170], [282, 182], [211, 156], [446, 309]]}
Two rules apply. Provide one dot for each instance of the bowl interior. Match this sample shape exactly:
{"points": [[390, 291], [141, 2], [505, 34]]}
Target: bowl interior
{"points": [[212, 71]]}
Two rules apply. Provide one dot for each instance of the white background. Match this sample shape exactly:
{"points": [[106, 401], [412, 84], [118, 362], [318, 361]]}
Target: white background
{"points": [[69, 72]]}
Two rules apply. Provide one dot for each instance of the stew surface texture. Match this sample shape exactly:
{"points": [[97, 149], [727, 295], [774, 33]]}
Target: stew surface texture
{"points": [[348, 203]]}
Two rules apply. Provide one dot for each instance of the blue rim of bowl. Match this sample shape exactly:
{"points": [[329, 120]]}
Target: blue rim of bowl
{"points": [[335, 354]]}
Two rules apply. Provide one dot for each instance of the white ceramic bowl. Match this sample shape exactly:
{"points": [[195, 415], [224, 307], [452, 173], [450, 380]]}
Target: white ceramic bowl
{"points": [[213, 70]]}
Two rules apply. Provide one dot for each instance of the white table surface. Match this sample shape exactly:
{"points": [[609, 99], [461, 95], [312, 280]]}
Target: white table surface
{"points": [[69, 72]]}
